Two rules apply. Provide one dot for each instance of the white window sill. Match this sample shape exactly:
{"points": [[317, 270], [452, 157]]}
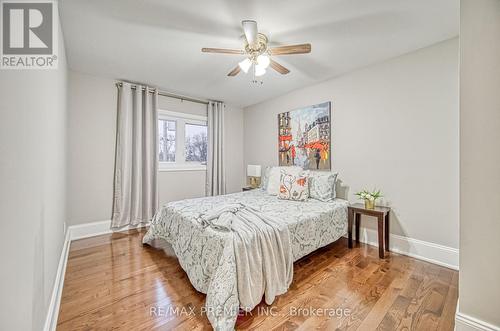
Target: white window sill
{"points": [[183, 168]]}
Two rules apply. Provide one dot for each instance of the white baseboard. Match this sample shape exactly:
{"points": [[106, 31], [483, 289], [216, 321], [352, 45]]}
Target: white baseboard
{"points": [[55, 299], [465, 322], [75, 232], [93, 229], [422, 250]]}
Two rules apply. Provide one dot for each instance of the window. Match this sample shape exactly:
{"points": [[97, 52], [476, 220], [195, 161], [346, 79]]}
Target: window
{"points": [[182, 141]]}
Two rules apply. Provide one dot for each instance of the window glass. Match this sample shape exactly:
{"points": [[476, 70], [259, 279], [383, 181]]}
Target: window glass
{"points": [[166, 130], [196, 143]]}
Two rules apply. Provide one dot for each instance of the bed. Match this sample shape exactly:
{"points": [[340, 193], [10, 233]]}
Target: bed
{"points": [[207, 253]]}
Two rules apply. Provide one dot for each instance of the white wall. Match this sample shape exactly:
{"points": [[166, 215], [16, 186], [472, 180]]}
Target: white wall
{"points": [[91, 147], [32, 190], [479, 161], [395, 127], [91, 142]]}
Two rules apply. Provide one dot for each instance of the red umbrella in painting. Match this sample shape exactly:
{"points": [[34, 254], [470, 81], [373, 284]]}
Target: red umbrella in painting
{"points": [[316, 145]]}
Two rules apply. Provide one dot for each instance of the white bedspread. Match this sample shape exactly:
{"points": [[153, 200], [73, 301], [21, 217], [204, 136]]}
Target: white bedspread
{"points": [[216, 240]]}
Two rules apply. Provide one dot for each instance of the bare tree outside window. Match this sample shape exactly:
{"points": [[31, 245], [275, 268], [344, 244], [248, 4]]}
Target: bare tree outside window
{"points": [[196, 143], [166, 130]]}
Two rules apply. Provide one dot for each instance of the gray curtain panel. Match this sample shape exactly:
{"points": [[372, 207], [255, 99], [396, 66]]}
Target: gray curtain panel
{"points": [[216, 174], [136, 166]]}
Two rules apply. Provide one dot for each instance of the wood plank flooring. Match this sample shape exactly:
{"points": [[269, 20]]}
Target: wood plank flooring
{"points": [[113, 282]]}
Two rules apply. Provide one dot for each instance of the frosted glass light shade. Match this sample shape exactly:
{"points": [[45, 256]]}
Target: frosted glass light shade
{"points": [[253, 170], [245, 65], [259, 70], [263, 61]]}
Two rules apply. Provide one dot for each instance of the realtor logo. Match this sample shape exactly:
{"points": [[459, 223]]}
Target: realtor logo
{"points": [[29, 35]]}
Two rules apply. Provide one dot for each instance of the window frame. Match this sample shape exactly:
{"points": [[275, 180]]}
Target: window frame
{"points": [[181, 119]]}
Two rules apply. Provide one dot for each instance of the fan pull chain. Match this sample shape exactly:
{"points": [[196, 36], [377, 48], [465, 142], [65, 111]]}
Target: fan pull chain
{"points": [[254, 80]]}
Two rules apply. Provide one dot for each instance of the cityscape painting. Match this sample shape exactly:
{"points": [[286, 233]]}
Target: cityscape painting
{"points": [[304, 137]]}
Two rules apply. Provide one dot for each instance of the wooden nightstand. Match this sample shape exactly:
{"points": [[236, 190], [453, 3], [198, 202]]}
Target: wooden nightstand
{"points": [[381, 213], [248, 188]]}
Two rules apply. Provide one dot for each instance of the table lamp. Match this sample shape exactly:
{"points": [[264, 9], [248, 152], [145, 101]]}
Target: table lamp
{"points": [[253, 174]]}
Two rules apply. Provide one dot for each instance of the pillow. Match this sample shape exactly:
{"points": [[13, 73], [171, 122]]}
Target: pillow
{"points": [[265, 178], [273, 182], [322, 185], [293, 187]]}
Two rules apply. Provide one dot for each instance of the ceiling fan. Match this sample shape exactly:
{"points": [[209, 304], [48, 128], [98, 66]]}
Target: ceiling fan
{"points": [[258, 52]]}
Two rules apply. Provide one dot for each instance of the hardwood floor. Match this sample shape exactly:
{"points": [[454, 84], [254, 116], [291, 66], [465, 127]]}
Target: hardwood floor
{"points": [[113, 282]]}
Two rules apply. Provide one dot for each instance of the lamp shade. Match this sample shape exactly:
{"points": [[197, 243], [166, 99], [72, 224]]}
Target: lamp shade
{"points": [[263, 61], [245, 65], [253, 170], [259, 70]]}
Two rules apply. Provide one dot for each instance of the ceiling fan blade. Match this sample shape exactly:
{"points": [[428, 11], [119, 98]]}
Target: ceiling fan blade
{"points": [[278, 67], [250, 30], [223, 51], [235, 71], [291, 49]]}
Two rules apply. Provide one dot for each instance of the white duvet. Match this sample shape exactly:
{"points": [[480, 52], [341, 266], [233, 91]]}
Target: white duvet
{"points": [[238, 247]]}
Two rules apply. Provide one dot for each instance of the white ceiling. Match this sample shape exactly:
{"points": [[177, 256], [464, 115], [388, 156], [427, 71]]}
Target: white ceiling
{"points": [[158, 41]]}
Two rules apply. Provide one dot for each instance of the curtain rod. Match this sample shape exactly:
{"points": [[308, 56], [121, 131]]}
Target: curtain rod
{"points": [[171, 95]]}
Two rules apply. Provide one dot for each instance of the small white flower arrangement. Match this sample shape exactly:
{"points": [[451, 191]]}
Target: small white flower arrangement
{"points": [[369, 197]]}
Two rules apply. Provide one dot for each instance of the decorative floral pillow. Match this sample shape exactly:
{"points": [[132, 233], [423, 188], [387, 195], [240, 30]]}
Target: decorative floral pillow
{"points": [[273, 181], [293, 187], [322, 185]]}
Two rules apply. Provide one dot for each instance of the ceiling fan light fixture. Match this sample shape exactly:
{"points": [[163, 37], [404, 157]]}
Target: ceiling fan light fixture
{"points": [[259, 70], [263, 61], [245, 65], [258, 53]]}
